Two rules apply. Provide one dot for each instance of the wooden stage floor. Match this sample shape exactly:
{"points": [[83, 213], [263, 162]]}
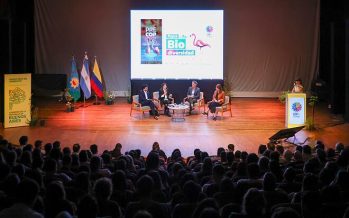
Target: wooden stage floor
{"points": [[254, 120]]}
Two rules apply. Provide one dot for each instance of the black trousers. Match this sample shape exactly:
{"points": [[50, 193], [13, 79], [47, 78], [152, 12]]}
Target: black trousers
{"points": [[152, 106], [212, 106], [192, 101], [165, 102]]}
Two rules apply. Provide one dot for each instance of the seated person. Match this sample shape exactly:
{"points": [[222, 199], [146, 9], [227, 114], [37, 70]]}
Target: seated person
{"points": [[193, 95], [146, 99], [298, 86], [217, 101], [165, 98]]}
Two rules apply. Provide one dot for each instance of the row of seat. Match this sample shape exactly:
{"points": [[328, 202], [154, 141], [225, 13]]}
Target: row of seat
{"points": [[136, 106]]}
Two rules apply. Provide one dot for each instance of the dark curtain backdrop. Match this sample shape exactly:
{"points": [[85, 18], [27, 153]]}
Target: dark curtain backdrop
{"points": [[267, 43]]}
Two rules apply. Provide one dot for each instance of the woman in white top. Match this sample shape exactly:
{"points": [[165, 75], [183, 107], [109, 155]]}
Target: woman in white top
{"points": [[298, 86]]}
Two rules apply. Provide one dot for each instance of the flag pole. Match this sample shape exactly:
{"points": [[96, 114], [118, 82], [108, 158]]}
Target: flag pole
{"points": [[96, 102]]}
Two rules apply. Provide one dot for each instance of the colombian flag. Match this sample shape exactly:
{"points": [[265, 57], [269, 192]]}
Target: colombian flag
{"points": [[96, 80]]}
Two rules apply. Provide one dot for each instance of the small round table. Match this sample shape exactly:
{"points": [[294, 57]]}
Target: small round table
{"points": [[178, 111]]}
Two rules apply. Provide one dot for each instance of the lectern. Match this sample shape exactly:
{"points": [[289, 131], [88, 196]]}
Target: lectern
{"points": [[296, 104]]}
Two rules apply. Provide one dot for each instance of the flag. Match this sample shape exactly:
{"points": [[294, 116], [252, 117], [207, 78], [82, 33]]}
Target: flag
{"points": [[85, 78], [73, 83], [96, 80]]}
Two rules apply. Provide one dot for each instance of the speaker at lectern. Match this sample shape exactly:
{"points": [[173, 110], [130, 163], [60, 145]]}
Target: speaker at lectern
{"points": [[296, 104]]}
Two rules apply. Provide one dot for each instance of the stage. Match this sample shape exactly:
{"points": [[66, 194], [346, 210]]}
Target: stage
{"points": [[254, 120]]}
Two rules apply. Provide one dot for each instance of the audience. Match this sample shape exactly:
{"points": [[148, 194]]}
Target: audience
{"points": [[273, 182]]}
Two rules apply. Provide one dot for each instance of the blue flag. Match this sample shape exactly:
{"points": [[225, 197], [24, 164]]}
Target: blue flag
{"points": [[73, 83]]}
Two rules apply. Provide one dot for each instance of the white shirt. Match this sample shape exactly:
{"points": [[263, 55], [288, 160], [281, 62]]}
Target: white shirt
{"points": [[192, 92], [146, 95]]}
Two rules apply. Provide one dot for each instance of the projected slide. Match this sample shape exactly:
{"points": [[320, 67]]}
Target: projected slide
{"points": [[176, 44]]}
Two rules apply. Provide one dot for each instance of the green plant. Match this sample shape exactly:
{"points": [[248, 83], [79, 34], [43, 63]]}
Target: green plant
{"points": [[108, 97], [34, 116], [283, 96], [313, 100], [227, 86], [309, 124], [128, 95]]}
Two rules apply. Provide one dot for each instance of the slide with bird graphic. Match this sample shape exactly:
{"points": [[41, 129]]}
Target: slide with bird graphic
{"points": [[176, 44]]}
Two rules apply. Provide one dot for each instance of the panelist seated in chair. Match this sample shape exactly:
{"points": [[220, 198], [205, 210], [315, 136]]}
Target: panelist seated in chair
{"points": [[165, 98], [145, 99], [217, 101], [193, 95]]}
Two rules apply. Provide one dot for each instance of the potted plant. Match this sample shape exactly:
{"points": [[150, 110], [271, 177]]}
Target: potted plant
{"points": [[283, 96], [310, 123], [109, 97], [34, 116], [128, 95]]}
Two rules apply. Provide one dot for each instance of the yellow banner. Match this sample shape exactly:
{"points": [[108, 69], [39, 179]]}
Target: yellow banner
{"points": [[17, 100]]}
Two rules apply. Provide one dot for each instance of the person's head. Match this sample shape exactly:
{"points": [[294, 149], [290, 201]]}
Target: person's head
{"points": [[26, 158], [55, 191], [48, 148], [56, 144], [38, 144], [103, 188], [298, 81], [191, 191], [219, 88], [87, 207], [95, 163], [289, 174], [288, 155], [27, 192], [118, 147], [231, 147], [261, 149], [153, 161], [11, 157], [285, 212], [219, 150], [271, 146], [50, 165], [145, 87], [252, 158], [223, 156], [197, 154], [83, 156], [76, 148], [339, 147], [66, 160], [269, 182], [209, 212], [163, 86], [142, 214], [66, 151], [23, 140], [156, 146], [253, 203], [144, 186], [310, 182], [194, 84], [28, 147], [94, 149], [253, 170]]}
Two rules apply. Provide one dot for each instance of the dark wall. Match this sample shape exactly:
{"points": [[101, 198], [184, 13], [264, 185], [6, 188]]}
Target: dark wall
{"points": [[332, 67]]}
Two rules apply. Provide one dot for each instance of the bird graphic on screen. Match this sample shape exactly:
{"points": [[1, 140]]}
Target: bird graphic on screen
{"points": [[199, 43]]}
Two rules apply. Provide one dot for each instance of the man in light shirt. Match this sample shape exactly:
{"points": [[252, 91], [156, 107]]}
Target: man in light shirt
{"points": [[193, 95]]}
